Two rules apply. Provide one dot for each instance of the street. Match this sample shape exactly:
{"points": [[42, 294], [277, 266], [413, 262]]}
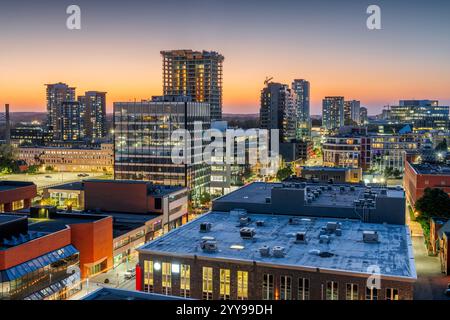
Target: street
{"points": [[431, 283]]}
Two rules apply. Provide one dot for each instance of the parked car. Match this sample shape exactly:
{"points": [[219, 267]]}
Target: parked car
{"points": [[130, 274], [48, 177]]}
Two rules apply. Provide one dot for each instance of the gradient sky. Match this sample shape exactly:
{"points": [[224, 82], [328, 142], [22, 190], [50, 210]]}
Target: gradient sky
{"points": [[326, 42]]}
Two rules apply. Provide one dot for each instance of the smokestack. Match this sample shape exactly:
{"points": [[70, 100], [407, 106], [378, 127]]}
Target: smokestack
{"points": [[8, 125]]}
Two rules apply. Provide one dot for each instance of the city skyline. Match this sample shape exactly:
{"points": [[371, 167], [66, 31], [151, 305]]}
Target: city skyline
{"points": [[118, 50]]}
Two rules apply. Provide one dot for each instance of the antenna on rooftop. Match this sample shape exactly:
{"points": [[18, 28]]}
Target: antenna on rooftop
{"points": [[266, 82]]}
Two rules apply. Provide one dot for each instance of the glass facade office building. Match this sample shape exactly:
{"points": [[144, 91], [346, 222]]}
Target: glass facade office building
{"points": [[143, 143]]}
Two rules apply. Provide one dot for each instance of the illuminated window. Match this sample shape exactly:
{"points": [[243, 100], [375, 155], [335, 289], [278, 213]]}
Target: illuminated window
{"points": [[2, 207], [285, 288], [224, 284], [352, 291], [267, 287], [391, 294], [242, 285], [332, 291], [207, 283], [303, 289], [148, 276], [166, 278], [185, 280], [371, 293], [17, 205]]}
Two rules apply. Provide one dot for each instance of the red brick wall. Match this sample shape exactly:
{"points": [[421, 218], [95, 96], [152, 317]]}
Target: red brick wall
{"points": [[21, 193], [94, 240], [117, 197], [33, 249]]}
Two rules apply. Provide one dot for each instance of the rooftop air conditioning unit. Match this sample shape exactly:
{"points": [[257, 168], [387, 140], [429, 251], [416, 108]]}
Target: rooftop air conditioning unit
{"points": [[247, 233], [243, 221], [338, 232], [264, 251], [267, 199], [300, 237], [205, 226], [352, 189], [293, 221], [209, 245], [342, 189], [370, 236], [260, 223], [332, 226], [278, 252], [383, 192]]}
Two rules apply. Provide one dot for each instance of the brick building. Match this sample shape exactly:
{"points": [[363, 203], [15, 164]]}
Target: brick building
{"points": [[15, 195]]}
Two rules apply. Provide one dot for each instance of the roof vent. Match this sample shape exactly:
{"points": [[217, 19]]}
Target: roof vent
{"points": [[383, 192], [267, 199], [293, 221], [370, 236], [324, 239], [300, 237], [332, 226], [205, 226], [264, 251], [278, 252], [247, 233], [209, 245], [260, 223]]}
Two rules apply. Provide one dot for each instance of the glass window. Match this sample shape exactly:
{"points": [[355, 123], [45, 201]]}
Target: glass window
{"points": [[148, 276], [242, 285], [351, 291], [371, 293], [285, 288], [391, 294], [185, 280], [332, 291], [207, 283], [167, 278], [303, 289], [224, 284], [267, 287]]}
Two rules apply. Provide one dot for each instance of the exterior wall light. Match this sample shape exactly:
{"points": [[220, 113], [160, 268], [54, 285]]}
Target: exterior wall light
{"points": [[157, 266], [175, 268]]}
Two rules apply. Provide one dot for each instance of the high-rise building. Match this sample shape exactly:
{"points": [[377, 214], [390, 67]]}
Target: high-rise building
{"points": [[363, 117], [423, 114], [195, 74], [352, 112], [143, 142], [57, 94], [71, 121], [302, 88], [279, 110], [333, 112], [95, 114]]}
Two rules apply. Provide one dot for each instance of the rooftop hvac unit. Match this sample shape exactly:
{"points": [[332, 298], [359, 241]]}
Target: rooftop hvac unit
{"points": [[293, 221], [322, 188], [330, 188], [260, 223], [315, 252], [278, 252], [243, 221], [209, 245], [338, 232], [370, 236], [247, 233], [352, 189], [267, 199], [264, 251], [303, 184], [342, 189], [205, 227], [324, 239], [383, 192], [332, 226], [300, 237]]}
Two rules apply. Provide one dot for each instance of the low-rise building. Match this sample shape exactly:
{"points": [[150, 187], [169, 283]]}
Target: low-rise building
{"points": [[332, 174], [419, 177], [369, 204], [16, 195], [241, 255], [70, 159]]}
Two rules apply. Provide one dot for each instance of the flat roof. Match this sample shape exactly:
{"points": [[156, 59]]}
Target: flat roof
{"points": [[393, 253], [121, 294], [5, 218], [68, 186], [60, 222], [6, 185], [257, 192], [152, 189], [433, 169]]}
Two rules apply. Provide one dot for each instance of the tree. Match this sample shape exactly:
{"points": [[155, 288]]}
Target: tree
{"points": [[205, 198], [434, 203], [8, 162], [442, 146], [284, 173]]}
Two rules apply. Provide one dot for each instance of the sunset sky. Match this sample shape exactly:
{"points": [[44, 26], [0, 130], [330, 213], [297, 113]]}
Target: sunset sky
{"points": [[326, 42]]}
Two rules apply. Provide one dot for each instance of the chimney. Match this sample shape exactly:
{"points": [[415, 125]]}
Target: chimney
{"points": [[8, 125]]}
